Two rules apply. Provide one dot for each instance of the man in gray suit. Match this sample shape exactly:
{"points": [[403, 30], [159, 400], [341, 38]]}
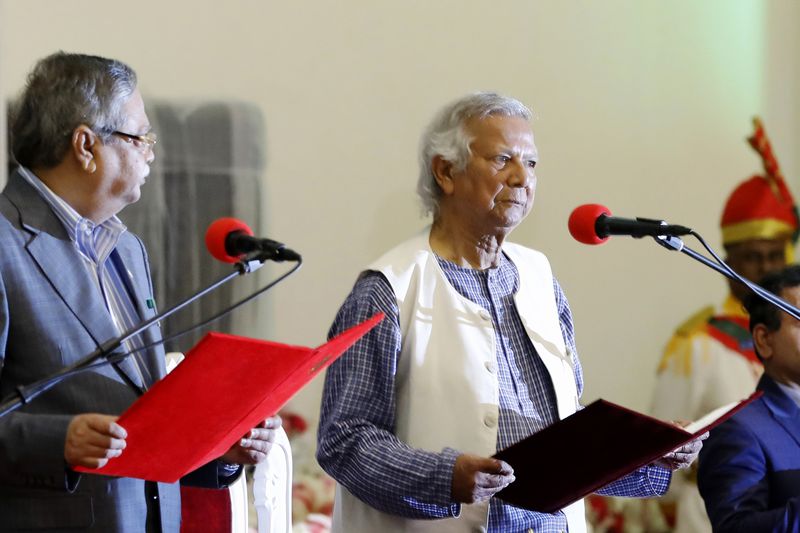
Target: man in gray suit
{"points": [[72, 278]]}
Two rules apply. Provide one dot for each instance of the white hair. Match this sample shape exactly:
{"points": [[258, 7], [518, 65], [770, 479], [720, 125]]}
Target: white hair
{"points": [[446, 137]]}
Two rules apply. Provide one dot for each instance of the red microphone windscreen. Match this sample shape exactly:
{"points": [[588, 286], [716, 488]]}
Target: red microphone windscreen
{"points": [[582, 223], [218, 231]]}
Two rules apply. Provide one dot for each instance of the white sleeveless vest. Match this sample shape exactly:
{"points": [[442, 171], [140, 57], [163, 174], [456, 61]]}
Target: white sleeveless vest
{"points": [[446, 383]]}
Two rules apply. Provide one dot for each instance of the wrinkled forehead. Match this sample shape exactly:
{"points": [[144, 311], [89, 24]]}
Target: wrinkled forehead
{"points": [[509, 133], [134, 111]]}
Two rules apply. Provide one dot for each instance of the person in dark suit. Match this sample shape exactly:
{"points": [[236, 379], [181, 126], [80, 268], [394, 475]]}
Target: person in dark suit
{"points": [[71, 278], [749, 468]]}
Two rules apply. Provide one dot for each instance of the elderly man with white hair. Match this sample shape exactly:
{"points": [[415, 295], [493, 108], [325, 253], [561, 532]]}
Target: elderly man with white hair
{"points": [[476, 352]]}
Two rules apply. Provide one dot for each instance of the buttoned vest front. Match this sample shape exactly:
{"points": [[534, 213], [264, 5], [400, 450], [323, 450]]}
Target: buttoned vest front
{"points": [[446, 382]]}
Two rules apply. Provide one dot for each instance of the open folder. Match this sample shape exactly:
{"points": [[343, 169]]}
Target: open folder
{"points": [[591, 448], [225, 386]]}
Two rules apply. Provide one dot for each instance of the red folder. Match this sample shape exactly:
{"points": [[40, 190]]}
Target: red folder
{"points": [[591, 448], [225, 386]]}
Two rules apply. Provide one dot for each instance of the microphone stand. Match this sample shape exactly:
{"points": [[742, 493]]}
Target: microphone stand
{"points": [[26, 393], [676, 244]]}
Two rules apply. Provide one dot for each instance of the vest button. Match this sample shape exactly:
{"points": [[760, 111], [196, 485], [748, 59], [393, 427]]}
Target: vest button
{"points": [[484, 314], [490, 421], [489, 366]]}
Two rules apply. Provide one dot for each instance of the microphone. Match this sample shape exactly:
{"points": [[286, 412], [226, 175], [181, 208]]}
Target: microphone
{"points": [[217, 237], [593, 223], [228, 239]]}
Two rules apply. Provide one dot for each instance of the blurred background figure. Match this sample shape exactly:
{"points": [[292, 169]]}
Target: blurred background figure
{"points": [[710, 360], [748, 472]]}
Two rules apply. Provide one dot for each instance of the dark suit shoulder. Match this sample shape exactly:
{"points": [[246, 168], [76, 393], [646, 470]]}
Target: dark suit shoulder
{"points": [[9, 214], [748, 431]]}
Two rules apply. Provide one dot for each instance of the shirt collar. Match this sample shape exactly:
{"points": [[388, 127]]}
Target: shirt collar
{"points": [[94, 240], [502, 267], [505, 273], [792, 390]]}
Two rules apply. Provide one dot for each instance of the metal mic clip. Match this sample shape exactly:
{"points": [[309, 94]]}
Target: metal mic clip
{"points": [[669, 242]]}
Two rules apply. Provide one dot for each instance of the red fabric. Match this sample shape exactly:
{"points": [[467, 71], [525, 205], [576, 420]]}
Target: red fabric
{"points": [[732, 342], [760, 143], [755, 199], [761, 197], [611, 522], [205, 510]]}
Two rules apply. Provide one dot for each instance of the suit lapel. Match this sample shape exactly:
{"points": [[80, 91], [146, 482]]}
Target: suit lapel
{"points": [[783, 408], [136, 279], [62, 265]]}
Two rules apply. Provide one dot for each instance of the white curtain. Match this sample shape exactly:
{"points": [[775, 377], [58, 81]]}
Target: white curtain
{"points": [[209, 163]]}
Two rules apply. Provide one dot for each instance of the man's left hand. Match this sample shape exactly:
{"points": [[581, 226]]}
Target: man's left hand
{"points": [[684, 456], [255, 445]]}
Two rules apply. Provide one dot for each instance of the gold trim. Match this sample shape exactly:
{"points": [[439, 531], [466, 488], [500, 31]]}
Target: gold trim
{"points": [[765, 228], [732, 306]]}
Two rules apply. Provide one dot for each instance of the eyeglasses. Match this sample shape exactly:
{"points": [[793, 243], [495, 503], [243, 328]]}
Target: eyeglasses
{"points": [[140, 141]]}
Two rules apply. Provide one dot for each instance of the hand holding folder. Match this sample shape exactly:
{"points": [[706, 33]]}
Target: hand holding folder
{"points": [[592, 448], [225, 386]]}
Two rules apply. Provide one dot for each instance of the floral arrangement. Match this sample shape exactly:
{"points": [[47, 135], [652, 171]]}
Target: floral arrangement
{"points": [[625, 515]]}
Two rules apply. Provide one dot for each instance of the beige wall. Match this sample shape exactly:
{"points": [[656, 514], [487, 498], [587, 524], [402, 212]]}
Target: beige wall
{"points": [[642, 106]]}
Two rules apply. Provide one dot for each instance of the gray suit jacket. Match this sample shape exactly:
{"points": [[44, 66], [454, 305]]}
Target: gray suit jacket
{"points": [[51, 315]]}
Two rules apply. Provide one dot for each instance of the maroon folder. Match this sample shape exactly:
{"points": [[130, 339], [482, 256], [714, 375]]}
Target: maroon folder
{"points": [[225, 386], [591, 448]]}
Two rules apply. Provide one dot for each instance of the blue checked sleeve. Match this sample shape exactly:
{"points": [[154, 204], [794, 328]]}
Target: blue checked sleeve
{"points": [[568, 332], [648, 481], [356, 442]]}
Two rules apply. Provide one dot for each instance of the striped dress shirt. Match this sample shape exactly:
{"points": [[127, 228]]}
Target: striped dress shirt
{"points": [[96, 244]]}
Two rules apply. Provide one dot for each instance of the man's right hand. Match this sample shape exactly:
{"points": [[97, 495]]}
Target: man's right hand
{"points": [[93, 439], [476, 478]]}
